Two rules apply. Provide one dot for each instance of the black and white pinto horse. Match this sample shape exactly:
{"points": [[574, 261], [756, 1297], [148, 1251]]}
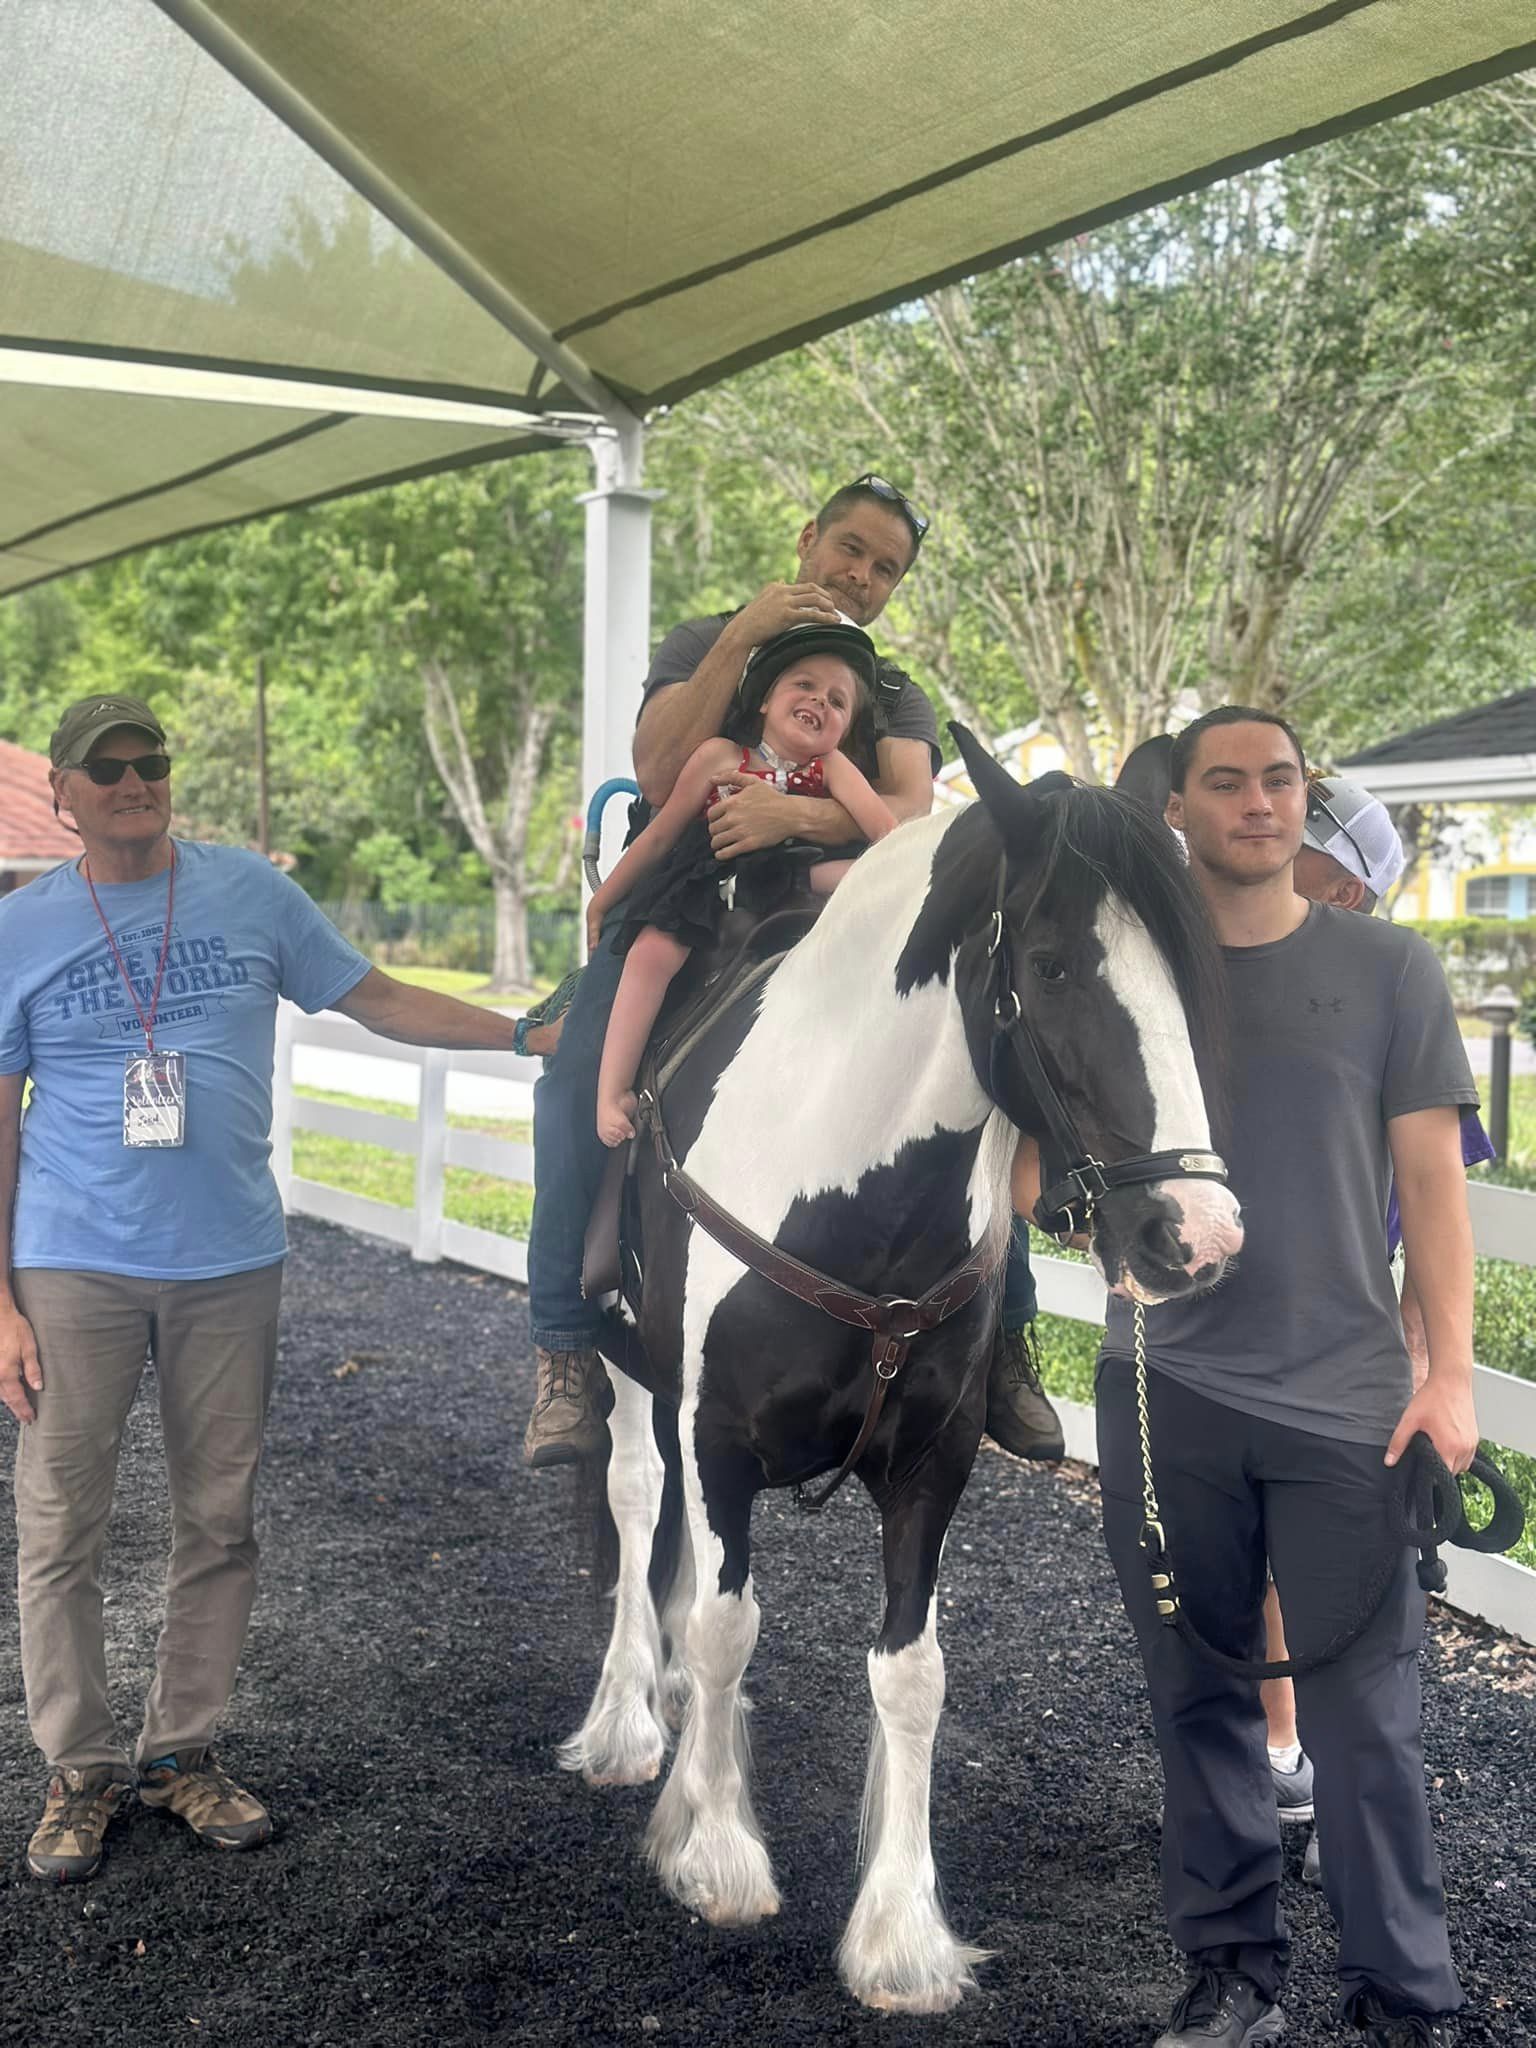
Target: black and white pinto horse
{"points": [[846, 1116]]}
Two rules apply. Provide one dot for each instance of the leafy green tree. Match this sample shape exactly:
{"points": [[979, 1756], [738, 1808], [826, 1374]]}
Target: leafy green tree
{"points": [[464, 591], [1149, 451]]}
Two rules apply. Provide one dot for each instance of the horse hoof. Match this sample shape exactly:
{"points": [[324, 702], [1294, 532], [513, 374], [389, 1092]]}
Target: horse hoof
{"points": [[642, 1773], [739, 1913], [938, 1998]]}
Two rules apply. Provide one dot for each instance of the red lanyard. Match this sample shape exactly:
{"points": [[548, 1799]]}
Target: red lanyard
{"points": [[165, 946]]}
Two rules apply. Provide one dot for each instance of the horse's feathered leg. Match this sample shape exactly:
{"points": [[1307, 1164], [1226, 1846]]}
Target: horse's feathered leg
{"points": [[704, 1841], [672, 1580], [623, 1738], [898, 1951]]}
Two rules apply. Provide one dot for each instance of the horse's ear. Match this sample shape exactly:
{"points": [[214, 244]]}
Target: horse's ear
{"points": [[1013, 807], [1148, 773]]}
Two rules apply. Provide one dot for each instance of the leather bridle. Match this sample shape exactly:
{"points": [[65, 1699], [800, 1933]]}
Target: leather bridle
{"points": [[1076, 1182]]}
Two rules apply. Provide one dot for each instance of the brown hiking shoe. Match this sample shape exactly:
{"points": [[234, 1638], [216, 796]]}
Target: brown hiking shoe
{"points": [[199, 1791], [570, 1409], [80, 1807], [1019, 1417]]}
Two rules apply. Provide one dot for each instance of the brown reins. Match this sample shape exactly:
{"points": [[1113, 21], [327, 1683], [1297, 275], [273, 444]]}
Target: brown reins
{"points": [[894, 1321]]}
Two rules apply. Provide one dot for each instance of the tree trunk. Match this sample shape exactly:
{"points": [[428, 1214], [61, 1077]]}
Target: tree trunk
{"points": [[511, 963]]}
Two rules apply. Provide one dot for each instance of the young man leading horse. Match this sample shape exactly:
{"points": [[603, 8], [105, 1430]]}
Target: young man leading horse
{"points": [[851, 557], [1277, 1405]]}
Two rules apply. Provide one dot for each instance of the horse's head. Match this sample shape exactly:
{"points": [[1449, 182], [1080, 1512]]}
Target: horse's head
{"points": [[1092, 996]]}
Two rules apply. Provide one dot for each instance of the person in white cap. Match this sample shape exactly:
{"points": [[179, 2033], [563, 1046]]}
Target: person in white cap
{"points": [[1350, 853]]}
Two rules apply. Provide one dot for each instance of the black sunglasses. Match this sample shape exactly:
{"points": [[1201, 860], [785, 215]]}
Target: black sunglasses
{"points": [[1319, 806], [148, 768], [882, 489]]}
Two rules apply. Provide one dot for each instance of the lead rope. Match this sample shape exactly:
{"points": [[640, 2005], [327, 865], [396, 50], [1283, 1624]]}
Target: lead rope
{"points": [[1152, 1524], [1422, 1483]]}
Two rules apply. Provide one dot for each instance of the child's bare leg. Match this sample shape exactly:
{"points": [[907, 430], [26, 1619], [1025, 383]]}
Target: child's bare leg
{"points": [[826, 874], [648, 970]]}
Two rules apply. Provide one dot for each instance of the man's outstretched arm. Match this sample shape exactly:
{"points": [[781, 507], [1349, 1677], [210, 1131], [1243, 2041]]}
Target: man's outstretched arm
{"points": [[419, 1016]]}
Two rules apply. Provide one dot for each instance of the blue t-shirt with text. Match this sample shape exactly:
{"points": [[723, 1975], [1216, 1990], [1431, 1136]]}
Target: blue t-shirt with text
{"points": [[241, 936]]}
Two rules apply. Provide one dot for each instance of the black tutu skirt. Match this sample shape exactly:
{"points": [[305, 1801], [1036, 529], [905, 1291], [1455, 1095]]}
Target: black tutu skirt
{"points": [[682, 896]]}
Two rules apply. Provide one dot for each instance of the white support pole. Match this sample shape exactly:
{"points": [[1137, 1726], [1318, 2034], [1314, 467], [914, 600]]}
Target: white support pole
{"points": [[431, 1146], [618, 617]]}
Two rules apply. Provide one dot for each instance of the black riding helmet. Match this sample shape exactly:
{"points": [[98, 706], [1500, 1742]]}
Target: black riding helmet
{"points": [[767, 663]]}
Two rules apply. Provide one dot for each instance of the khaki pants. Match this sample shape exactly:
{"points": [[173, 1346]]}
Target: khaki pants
{"points": [[214, 1344]]}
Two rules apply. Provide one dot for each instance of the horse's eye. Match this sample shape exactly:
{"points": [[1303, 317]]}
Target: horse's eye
{"points": [[1048, 969]]}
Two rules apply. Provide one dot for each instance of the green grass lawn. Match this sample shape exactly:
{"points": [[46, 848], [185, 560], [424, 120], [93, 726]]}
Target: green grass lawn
{"points": [[468, 987], [373, 1170]]}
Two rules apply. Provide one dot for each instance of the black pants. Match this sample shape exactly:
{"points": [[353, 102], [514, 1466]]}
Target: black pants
{"points": [[1236, 1492]]}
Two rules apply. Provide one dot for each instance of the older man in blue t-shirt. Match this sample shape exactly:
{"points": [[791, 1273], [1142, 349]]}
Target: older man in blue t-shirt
{"points": [[139, 1216]]}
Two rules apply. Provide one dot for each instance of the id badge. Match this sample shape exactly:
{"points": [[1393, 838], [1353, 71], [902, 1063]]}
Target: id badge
{"points": [[155, 1098]]}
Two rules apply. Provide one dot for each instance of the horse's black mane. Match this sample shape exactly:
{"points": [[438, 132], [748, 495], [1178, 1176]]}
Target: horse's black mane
{"points": [[1093, 832]]}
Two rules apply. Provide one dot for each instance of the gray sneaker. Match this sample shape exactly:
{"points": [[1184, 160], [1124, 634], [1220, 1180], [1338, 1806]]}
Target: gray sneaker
{"points": [[570, 1409], [66, 1846], [1312, 1863], [1221, 2009], [1293, 1791]]}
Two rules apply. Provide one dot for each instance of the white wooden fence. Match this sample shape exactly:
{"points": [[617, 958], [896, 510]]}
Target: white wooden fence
{"points": [[1504, 1222]]}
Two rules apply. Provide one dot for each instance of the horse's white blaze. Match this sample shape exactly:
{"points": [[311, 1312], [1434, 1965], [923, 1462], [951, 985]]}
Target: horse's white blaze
{"points": [[703, 1838], [1144, 987], [623, 1738], [898, 1951]]}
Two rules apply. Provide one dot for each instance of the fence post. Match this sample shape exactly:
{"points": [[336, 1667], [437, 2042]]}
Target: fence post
{"points": [[282, 1104], [431, 1148]]}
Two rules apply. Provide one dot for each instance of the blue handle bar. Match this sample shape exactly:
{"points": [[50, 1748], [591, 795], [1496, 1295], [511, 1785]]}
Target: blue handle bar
{"points": [[602, 796]]}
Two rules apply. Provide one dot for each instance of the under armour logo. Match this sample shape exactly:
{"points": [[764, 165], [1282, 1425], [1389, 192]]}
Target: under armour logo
{"points": [[1317, 1004]]}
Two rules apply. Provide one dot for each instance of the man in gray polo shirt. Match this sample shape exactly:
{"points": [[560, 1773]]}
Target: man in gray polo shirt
{"points": [[1277, 1404]]}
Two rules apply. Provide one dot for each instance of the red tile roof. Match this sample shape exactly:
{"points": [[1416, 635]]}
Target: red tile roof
{"points": [[28, 829]]}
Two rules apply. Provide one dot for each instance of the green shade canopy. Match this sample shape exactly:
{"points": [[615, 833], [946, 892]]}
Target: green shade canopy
{"points": [[256, 252]]}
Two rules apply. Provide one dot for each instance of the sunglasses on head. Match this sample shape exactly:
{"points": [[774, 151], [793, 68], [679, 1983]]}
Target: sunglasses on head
{"points": [[1318, 806], [148, 768], [882, 489]]}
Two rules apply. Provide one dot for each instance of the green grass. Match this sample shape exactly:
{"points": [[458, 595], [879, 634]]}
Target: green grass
{"points": [[373, 1170], [1518, 1169], [516, 1130], [453, 981]]}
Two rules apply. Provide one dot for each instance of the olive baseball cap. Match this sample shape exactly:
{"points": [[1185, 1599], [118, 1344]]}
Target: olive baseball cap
{"points": [[84, 723]]}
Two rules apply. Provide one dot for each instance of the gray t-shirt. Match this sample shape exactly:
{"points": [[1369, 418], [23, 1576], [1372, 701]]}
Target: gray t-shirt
{"points": [[902, 712], [1336, 1029]]}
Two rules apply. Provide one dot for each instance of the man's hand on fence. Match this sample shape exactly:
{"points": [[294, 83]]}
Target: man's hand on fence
{"points": [[21, 1370]]}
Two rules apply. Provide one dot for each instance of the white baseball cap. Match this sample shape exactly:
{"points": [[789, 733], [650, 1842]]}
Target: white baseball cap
{"points": [[1354, 827]]}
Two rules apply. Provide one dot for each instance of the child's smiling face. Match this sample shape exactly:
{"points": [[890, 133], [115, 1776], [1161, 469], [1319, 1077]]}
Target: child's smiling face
{"points": [[810, 707]]}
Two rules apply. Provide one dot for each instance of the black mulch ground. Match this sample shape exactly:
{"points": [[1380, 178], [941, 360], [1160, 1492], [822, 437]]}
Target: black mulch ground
{"points": [[426, 1635]]}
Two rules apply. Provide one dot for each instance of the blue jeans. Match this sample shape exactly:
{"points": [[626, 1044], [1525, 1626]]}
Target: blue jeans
{"points": [[1019, 1303], [568, 1159]]}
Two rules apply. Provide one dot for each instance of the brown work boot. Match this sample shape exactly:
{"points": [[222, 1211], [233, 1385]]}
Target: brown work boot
{"points": [[193, 1786], [570, 1408], [81, 1805], [1019, 1417]]}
